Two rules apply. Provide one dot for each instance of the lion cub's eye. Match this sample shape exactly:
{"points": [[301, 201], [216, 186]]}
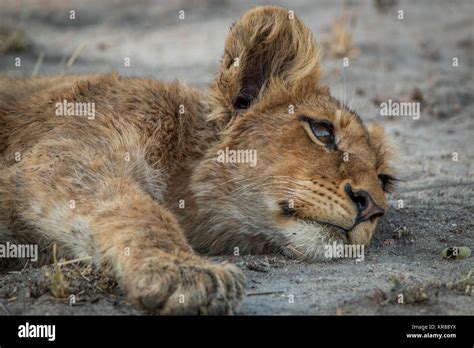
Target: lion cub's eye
{"points": [[322, 131]]}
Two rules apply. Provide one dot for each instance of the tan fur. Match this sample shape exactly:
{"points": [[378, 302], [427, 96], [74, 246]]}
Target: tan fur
{"points": [[128, 169]]}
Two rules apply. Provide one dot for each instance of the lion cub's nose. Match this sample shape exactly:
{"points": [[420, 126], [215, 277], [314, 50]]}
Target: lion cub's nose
{"points": [[366, 208]]}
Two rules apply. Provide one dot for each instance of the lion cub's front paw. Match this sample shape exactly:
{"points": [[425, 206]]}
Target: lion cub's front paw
{"points": [[193, 287]]}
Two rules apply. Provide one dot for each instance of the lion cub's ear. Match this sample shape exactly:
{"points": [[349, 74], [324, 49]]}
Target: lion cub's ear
{"points": [[267, 48]]}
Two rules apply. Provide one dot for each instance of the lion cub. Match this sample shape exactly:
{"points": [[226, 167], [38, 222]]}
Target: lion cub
{"points": [[138, 174]]}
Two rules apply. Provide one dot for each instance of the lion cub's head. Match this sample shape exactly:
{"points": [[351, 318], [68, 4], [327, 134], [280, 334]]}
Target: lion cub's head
{"points": [[294, 169]]}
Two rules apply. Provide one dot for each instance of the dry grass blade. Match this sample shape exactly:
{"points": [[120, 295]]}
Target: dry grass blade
{"points": [[38, 63], [81, 259], [74, 56], [59, 286]]}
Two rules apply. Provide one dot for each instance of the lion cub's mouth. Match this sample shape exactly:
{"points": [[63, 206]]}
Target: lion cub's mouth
{"points": [[337, 231]]}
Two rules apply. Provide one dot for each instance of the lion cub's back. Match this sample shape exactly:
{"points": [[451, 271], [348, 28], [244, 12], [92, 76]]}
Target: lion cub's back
{"points": [[27, 108], [31, 109]]}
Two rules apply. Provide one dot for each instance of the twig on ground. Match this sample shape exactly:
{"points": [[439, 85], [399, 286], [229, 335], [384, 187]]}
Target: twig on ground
{"points": [[263, 293]]}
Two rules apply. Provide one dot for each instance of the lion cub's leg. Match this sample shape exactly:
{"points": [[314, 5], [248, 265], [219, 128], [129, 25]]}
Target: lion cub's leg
{"points": [[143, 245], [128, 233]]}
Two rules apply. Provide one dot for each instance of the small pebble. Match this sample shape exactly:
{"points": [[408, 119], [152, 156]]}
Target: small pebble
{"points": [[456, 252]]}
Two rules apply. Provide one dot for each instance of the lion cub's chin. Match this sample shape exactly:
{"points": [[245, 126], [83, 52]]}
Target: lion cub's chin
{"points": [[315, 242], [309, 241], [362, 233]]}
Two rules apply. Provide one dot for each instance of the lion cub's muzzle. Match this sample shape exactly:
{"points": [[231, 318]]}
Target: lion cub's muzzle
{"points": [[366, 207]]}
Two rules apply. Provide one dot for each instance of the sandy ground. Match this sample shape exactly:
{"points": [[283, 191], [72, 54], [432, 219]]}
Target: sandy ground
{"points": [[394, 59]]}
